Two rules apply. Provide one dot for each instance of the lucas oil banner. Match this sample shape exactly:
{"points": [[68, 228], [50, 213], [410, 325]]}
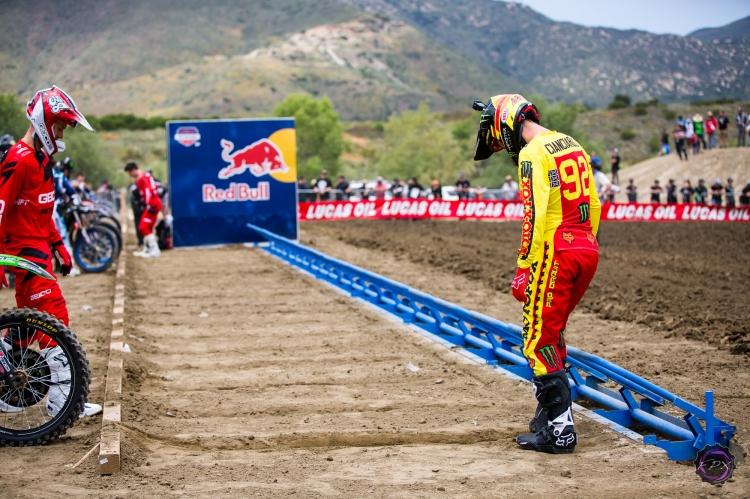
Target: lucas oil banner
{"points": [[224, 174], [510, 210]]}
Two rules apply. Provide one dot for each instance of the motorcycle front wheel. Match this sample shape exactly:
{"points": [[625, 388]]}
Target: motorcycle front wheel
{"points": [[55, 378]]}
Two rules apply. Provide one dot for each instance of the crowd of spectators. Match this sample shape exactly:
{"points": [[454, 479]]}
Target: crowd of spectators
{"points": [[323, 189], [718, 194], [696, 133]]}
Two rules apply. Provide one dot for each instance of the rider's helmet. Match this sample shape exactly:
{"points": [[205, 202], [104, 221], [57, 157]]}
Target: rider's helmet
{"points": [[47, 108], [6, 142], [501, 125]]}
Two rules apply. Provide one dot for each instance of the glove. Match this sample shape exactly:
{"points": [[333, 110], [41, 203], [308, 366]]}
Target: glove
{"points": [[63, 257], [168, 220], [518, 287]]}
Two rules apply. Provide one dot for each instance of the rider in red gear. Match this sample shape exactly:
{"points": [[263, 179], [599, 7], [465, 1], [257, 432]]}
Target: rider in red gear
{"points": [[148, 190], [27, 199]]}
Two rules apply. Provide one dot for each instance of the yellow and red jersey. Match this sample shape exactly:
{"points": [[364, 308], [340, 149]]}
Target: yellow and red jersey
{"points": [[559, 197]]}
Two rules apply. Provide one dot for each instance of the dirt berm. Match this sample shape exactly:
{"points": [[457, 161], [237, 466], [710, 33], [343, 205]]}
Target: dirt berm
{"points": [[682, 279]]}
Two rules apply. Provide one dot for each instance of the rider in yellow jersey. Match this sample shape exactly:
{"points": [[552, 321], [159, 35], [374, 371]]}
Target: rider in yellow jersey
{"points": [[558, 255]]}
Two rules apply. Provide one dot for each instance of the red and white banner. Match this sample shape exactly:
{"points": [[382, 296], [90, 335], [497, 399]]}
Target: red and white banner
{"points": [[509, 210]]}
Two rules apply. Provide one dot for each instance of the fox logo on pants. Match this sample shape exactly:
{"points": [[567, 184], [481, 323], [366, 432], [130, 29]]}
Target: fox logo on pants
{"points": [[261, 158]]}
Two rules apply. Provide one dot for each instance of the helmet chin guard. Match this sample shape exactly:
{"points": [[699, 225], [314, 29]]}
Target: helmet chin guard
{"points": [[46, 108]]}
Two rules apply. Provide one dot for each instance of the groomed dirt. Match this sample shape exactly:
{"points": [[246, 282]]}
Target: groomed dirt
{"points": [[689, 280], [250, 379]]}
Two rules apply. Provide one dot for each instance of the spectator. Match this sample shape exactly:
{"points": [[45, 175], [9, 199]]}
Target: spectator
{"points": [[717, 191], [700, 192], [462, 187], [699, 129], [687, 192], [323, 186], [415, 188], [601, 181], [664, 142], [745, 195], [595, 160], [680, 121], [509, 190], [479, 192], [723, 132], [679, 141], [614, 163], [695, 143], [437, 190], [398, 189], [303, 197], [632, 192], [741, 121], [729, 192], [656, 191], [343, 187], [671, 192], [711, 125], [378, 190]]}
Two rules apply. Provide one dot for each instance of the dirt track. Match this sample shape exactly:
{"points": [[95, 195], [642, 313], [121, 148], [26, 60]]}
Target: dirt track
{"points": [[689, 280], [285, 373]]}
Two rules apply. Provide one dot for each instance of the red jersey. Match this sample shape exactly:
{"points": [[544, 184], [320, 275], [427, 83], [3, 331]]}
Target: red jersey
{"points": [[27, 195], [148, 190]]}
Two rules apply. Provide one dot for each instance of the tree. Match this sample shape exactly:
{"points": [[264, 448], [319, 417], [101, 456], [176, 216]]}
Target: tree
{"points": [[619, 102], [319, 133], [12, 117], [419, 144]]}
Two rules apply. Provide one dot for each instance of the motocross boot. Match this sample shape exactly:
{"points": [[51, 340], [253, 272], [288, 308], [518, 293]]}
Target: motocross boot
{"points": [[558, 436]]}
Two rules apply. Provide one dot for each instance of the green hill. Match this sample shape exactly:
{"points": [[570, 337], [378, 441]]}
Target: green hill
{"points": [[368, 67]]}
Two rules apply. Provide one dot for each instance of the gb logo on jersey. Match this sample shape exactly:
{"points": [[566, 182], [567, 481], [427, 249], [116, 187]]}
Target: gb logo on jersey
{"points": [[47, 197]]}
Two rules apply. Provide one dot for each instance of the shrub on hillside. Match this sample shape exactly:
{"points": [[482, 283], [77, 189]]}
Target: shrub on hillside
{"points": [[627, 135], [670, 114], [640, 109], [619, 102], [654, 145]]}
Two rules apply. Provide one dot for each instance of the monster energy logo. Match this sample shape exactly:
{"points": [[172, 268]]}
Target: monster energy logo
{"points": [[525, 169], [584, 209], [550, 356]]}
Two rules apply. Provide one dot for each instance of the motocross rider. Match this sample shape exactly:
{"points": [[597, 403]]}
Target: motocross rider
{"points": [[27, 197], [558, 255], [148, 190]]}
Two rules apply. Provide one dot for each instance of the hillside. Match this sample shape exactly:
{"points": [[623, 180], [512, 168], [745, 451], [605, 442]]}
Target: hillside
{"points": [[732, 30], [368, 67], [565, 61], [88, 42], [450, 49], [708, 165]]}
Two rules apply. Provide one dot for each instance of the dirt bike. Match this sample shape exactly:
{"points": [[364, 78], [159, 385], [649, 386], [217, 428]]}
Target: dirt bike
{"points": [[44, 378], [94, 235]]}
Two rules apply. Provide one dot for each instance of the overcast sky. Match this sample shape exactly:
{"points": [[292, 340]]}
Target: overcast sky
{"points": [[657, 16]]}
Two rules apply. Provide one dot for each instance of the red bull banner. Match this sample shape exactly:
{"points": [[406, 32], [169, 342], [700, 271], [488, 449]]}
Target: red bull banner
{"points": [[508, 210], [224, 174]]}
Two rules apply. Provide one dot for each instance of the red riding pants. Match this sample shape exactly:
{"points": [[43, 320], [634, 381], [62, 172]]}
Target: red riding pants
{"points": [[148, 221], [556, 284]]}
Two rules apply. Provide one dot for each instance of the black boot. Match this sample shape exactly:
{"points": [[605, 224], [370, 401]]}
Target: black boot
{"points": [[559, 435], [540, 419]]}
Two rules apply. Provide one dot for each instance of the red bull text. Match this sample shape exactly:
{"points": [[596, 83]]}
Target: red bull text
{"points": [[236, 192]]}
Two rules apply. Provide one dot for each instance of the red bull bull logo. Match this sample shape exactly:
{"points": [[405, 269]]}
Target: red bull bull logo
{"points": [[261, 158]]}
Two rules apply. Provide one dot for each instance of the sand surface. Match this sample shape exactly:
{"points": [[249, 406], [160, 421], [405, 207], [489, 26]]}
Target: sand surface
{"points": [[289, 389]]}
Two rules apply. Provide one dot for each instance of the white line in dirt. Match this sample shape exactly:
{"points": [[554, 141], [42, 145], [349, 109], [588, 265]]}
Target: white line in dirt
{"points": [[462, 351]]}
